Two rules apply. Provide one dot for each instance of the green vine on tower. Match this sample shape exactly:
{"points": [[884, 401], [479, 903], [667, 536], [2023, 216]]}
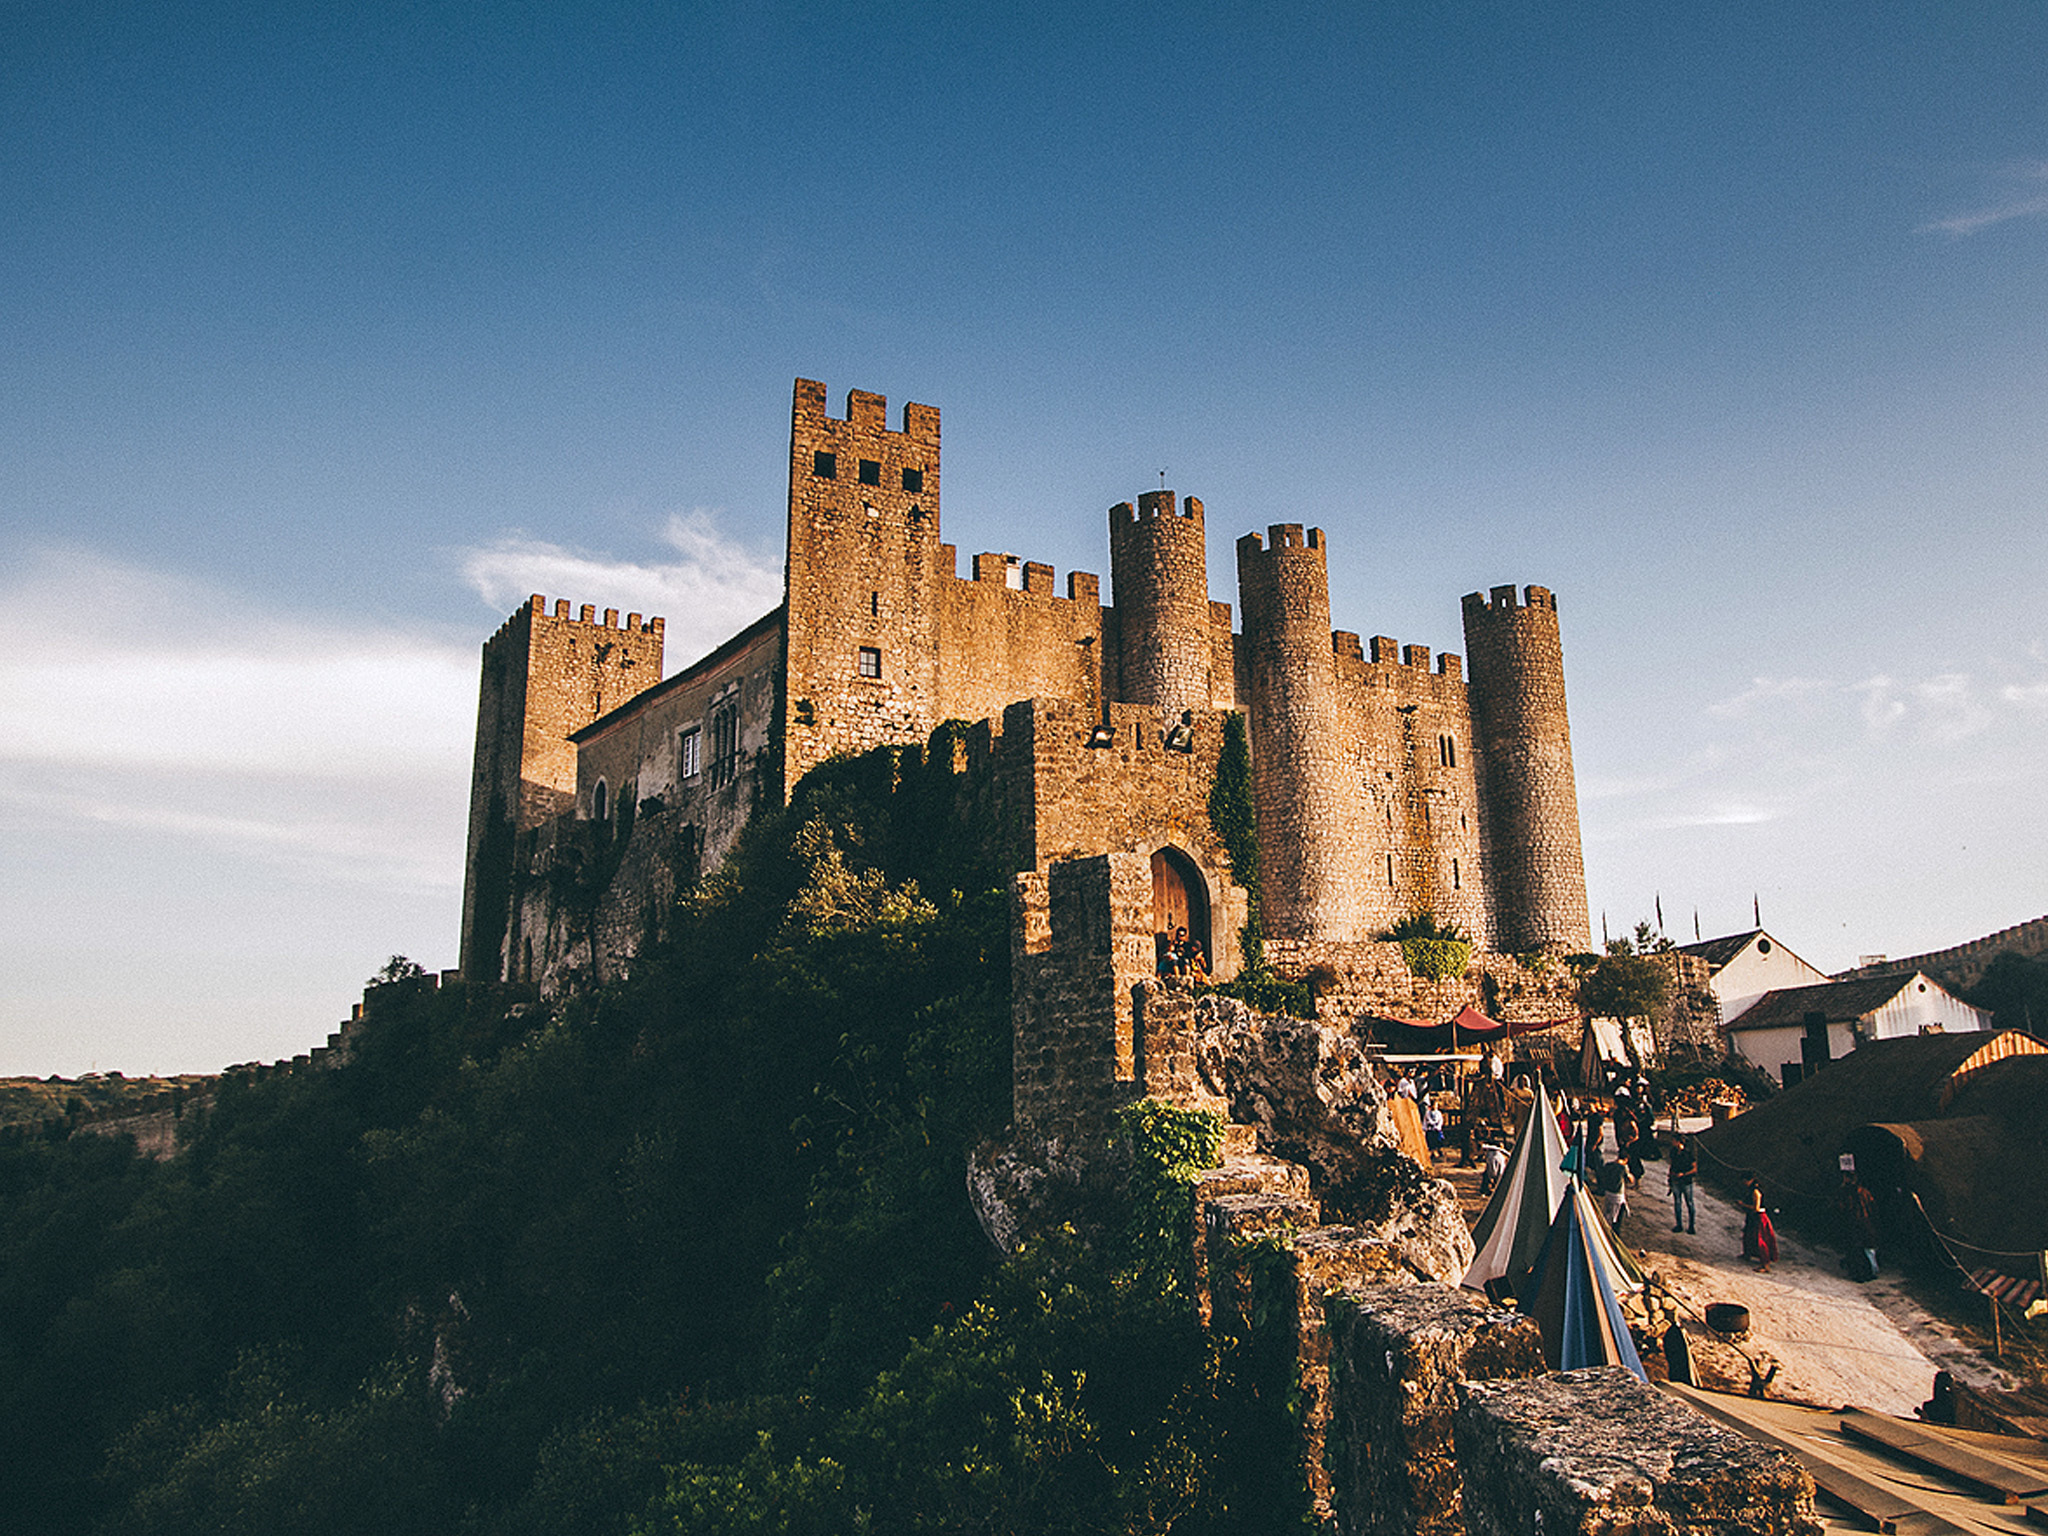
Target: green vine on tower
{"points": [[1235, 823]]}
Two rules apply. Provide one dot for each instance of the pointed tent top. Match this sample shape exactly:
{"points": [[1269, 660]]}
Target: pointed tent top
{"points": [[1576, 1289], [1510, 1232]]}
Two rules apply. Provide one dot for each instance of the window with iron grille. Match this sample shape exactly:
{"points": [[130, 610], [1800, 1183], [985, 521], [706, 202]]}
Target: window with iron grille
{"points": [[725, 744]]}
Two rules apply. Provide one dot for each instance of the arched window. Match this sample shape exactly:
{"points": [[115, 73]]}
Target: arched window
{"points": [[600, 802]]}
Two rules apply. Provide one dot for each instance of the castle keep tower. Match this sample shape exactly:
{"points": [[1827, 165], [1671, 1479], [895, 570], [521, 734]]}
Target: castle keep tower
{"points": [[1537, 872], [545, 676], [1159, 577], [864, 563], [1302, 780]]}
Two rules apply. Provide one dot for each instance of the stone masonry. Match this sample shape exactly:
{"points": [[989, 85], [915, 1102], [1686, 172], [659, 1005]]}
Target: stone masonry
{"points": [[1386, 779], [1593, 1452], [1397, 1358]]}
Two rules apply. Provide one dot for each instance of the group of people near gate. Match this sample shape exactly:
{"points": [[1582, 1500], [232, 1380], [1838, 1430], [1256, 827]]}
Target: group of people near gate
{"points": [[1181, 955]]}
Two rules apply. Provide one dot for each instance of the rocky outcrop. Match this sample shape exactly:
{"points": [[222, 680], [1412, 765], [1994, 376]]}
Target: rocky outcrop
{"points": [[1027, 1185], [1313, 1098]]}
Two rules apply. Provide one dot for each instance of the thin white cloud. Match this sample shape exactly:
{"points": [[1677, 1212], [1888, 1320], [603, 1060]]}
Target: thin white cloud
{"points": [[2027, 201], [1764, 691], [194, 714], [713, 588], [1727, 815]]}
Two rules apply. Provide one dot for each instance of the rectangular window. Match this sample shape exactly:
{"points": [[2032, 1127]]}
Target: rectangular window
{"points": [[689, 754], [870, 661], [913, 479], [825, 465], [870, 472], [725, 745]]}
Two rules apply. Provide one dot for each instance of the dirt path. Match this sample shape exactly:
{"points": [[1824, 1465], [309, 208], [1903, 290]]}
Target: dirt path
{"points": [[1833, 1341]]}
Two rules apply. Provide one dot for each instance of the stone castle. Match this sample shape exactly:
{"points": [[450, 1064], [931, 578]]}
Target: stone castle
{"points": [[1383, 784]]}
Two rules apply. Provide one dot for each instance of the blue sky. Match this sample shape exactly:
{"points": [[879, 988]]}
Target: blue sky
{"points": [[328, 333]]}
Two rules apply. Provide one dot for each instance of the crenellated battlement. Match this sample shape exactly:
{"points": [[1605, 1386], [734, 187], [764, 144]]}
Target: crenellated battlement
{"points": [[1151, 506], [1279, 538], [1503, 600], [587, 614], [1028, 578], [865, 412]]}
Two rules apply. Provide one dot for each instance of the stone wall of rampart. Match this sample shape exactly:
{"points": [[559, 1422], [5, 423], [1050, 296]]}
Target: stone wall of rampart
{"points": [[1962, 966], [1355, 981]]}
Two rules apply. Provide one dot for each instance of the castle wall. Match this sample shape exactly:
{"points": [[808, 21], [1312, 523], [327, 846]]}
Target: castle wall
{"points": [[1081, 940], [1354, 981], [1304, 777], [1411, 740], [1537, 871], [545, 676], [999, 643]]}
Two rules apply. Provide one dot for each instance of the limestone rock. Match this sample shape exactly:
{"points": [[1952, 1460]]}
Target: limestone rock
{"points": [[1029, 1184], [1315, 1099]]}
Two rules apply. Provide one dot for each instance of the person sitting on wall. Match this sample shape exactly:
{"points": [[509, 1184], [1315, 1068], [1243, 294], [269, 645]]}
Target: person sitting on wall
{"points": [[1196, 963], [1169, 962]]}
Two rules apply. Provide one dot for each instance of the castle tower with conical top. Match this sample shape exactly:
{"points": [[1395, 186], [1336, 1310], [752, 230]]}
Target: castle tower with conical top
{"points": [[1303, 784], [1159, 579], [1536, 870]]}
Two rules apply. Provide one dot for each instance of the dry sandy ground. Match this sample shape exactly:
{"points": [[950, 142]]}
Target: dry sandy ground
{"points": [[1835, 1342]]}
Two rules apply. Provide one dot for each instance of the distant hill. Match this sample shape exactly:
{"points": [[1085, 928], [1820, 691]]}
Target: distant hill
{"points": [[33, 1101]]}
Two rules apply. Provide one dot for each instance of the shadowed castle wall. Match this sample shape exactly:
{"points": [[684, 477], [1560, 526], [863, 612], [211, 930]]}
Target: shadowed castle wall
{"points": [[545, 676]]}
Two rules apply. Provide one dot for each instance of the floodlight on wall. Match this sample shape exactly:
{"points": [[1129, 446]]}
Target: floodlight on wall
{"points": [[1103, 735], [1182, 737]]}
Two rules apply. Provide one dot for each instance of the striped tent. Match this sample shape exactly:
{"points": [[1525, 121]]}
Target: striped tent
{"points": [[1511, 1230], [1576, 1290]]}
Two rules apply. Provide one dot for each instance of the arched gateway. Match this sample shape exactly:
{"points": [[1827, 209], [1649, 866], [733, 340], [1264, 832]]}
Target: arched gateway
{"points": [[1180, 899]]}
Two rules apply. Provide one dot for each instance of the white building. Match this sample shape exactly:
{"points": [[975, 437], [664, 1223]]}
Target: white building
{"points": [[1791, 1030], [1745, 966]]}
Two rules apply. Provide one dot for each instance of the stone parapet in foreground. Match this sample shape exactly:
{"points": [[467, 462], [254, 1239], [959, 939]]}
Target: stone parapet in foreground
{"points": [[1597, 1453], [1398, 1355]]}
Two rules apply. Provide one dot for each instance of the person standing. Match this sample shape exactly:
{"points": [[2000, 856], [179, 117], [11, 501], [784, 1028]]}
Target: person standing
{"points": [[1759, 1237], [1683, 1171], [1859, 1217]]}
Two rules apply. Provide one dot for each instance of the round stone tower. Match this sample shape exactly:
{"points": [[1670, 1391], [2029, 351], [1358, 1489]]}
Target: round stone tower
{"points": [[1159, 579], [1301, 777], [1536, 870]]}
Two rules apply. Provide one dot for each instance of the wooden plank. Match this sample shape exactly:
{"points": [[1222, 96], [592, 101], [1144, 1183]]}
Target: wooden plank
{"points": [[1884, 1509], [2003, 1480]]}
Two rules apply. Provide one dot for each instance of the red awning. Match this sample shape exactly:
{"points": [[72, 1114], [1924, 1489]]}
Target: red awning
{"points": [[1471, 1028]]}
